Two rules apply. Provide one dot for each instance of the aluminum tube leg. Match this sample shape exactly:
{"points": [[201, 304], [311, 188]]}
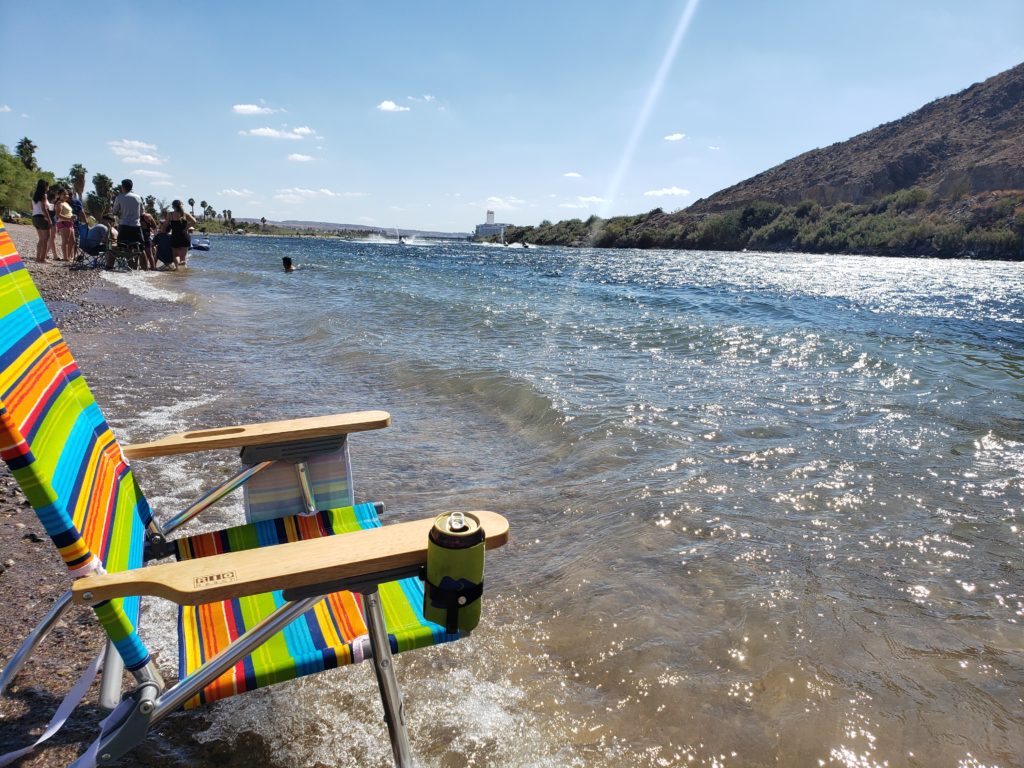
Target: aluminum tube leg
{"points": [[17, 661], [113, 675], [390, 694]]}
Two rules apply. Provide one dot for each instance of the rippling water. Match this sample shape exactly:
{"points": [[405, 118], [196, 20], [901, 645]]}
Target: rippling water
{"points": [[766, 509]]}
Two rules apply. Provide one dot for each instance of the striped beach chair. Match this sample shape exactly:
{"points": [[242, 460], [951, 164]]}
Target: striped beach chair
{"points": [[311, 582]]}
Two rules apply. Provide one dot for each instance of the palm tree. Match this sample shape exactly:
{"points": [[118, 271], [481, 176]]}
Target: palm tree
{"points": [[104, 185], [77, 174], [192, 205], [202, 205], [27, 153], [263, 222]]}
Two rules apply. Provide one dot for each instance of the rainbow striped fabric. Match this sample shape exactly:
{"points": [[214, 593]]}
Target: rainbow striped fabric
{"points": [[330, 635], [63, 454]]}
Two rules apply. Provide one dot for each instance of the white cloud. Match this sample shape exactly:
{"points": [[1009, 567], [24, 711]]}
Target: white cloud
{"points": [[295, 157], [135, 152], [675, 137], [666, 192], [426, 97], [128, 146], [272, 133], [236, 192], [142, 160], [304, 130], [4, 108], [572, 175], [299, 194], [583, 201], [253, 109], [390, 106], [713, 148], [495, 203], [161, 183], [150, 174]]}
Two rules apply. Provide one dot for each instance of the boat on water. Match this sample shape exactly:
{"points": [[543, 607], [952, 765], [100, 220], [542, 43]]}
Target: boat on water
{"points": [[200, 243]]}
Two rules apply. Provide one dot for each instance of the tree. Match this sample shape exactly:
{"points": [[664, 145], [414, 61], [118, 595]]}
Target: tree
{"points": [[17, 183], [104, 185], [263, 222], [151, 205], [202, 206], [192, 205], [96, 203], [77, 174], [27, 153]]}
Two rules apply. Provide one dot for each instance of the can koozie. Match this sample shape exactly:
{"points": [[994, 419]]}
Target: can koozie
{"points": [[455, 572]]}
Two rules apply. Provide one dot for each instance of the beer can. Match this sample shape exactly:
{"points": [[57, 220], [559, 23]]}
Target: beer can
{"points": [[455, 572]]}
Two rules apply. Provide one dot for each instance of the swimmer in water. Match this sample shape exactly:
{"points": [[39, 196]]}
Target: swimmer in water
{"points": [[286, 262]]}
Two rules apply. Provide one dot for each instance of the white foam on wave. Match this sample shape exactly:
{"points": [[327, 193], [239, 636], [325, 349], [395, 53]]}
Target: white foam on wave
{"points": [[142, 285]]}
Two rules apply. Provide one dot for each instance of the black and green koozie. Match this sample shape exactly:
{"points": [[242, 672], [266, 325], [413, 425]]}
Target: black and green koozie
{"points": [[455, 572]]}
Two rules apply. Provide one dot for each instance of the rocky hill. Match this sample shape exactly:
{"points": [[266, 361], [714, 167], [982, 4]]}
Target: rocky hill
{"points": [[967, 143]]}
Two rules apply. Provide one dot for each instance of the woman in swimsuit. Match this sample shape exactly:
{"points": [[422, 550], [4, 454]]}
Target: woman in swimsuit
{"points": [[41, 218], [51, 211], [177, 223], [65, 226]]}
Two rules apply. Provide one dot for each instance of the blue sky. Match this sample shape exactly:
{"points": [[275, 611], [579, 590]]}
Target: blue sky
{"points": [[424, 115]]}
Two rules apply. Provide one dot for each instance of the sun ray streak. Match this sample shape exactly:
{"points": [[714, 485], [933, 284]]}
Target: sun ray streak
{"points": [[653, 93]]}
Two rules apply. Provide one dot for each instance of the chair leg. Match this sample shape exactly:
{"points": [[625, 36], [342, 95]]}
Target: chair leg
{"points": [[113, 674], [23, 653], [390, 693]]}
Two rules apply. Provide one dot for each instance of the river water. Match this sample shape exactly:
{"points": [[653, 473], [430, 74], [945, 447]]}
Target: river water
{"points": [[766, 509]]}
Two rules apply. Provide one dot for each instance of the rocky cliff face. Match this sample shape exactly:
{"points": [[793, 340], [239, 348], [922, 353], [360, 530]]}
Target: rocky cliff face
{"points": [[967, 143]]}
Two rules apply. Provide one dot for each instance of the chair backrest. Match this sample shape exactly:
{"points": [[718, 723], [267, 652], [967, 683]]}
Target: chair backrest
{"points": [[62, 453], [275, 491]]}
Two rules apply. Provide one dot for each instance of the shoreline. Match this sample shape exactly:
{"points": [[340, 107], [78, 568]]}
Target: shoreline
{"points": [[32, 578]]}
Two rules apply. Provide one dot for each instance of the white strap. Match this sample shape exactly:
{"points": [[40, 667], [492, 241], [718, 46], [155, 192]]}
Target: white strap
{"points": [[71, 700], [109, 724]]}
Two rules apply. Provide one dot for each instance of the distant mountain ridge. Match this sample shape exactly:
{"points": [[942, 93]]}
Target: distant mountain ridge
{"points": [[945, 181], [967, 143]]}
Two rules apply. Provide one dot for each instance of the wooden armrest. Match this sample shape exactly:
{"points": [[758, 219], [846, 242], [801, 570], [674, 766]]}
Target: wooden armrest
{"points": [[267, 433], [282, 566]]}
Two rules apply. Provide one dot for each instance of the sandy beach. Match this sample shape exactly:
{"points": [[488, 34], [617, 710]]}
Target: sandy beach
{"points": [[32, 577]]}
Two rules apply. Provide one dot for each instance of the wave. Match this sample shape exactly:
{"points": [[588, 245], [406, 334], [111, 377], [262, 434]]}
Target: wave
{"points": [[143, 286]]}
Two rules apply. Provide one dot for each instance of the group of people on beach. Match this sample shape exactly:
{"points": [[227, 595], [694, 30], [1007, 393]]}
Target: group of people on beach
{"points": [[126, 225]]}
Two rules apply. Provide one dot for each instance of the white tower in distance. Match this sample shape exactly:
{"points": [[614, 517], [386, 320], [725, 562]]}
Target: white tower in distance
{"points": [[490, 217]]}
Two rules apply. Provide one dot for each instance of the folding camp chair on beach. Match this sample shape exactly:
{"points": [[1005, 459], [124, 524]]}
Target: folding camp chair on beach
{"points": [[88, 256], [310, 583]]}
